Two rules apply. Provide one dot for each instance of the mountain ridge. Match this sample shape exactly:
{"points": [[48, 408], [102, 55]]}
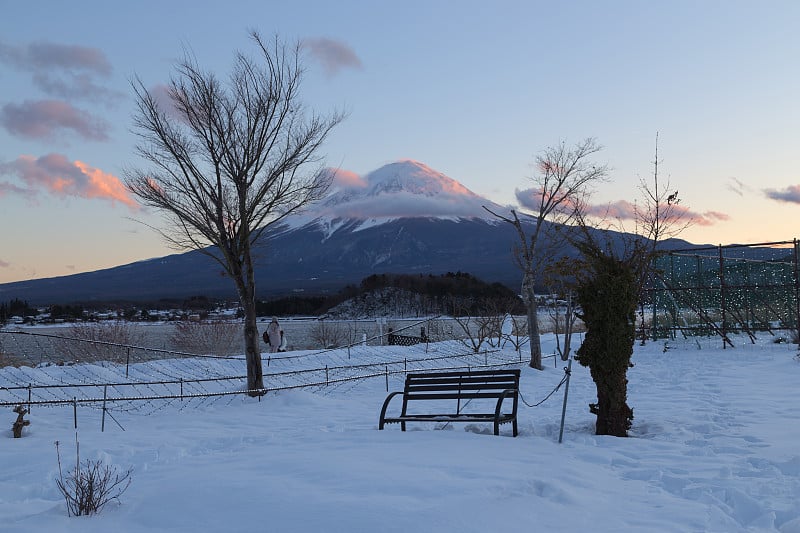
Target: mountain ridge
{"points": [[401, 218]]}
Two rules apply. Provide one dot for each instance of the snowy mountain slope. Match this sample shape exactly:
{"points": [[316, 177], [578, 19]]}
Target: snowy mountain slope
{"points": [[403, 189]]}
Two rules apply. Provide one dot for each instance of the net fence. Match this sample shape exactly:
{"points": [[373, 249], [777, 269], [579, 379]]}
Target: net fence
{"points": [[62, 370]]}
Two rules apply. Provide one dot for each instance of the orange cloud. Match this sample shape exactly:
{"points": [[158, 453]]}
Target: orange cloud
{"points": [[55, 174], [347, 179], [105, 185]]}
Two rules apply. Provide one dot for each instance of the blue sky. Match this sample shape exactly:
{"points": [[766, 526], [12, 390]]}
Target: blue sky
{"points": [[472, 89]]}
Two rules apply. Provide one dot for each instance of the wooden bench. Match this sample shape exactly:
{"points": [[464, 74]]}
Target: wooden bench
{"points": [[451, 392]]}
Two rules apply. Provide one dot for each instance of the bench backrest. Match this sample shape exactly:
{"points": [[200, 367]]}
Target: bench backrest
{"points": [[460, 385]]}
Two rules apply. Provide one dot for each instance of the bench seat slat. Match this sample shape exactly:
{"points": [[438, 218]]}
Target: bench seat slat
{"points": [[498, 387], [465, 395], [488, 417]]}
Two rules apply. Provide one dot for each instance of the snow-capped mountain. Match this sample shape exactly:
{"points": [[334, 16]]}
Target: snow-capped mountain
{"points": [[403, 189]]}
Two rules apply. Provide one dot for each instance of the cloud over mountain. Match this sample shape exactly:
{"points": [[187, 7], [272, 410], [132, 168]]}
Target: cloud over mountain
{"points": [[404, 188]]}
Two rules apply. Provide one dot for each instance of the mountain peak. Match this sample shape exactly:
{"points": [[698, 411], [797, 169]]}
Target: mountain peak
{"points": [[401, 189], [413, 177]]}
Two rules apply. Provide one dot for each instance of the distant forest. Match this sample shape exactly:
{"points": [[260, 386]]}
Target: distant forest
{"points": [[450, 293], [446, 293]]}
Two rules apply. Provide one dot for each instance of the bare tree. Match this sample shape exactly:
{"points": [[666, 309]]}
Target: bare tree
{"points": [[328, 334], [227, 160], [206, 337], [564, 177]]}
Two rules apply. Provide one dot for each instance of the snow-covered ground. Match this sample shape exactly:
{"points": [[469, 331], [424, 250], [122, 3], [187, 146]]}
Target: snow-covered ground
{"points": [[714, 447]]}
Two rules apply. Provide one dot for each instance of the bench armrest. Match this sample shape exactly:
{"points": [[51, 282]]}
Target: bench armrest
{"points": [[499, 406], [386, 405]]}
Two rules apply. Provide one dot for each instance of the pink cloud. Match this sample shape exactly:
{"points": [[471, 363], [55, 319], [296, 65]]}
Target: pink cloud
{"points": [[624, 210], [7, 188], [790, 194], [41, 119], [55, 174], [64, 71], [43, 55], [332, 55], [347, 179]]}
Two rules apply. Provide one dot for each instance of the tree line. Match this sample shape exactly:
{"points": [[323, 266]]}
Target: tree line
{"points": [[449, 293]]}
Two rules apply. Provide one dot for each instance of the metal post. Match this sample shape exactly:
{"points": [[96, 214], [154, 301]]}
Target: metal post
{"points": [[655, 318], [564, 407], [387, 378], [103, 420], [326, 375], [796, 290], [181, 389], [675, 309], [127, 361], [75, 411], [722, 298], [29, 396]]}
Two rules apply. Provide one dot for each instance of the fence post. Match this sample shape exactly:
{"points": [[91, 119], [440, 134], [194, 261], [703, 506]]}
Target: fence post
{"points": [[326, 375], [568, 370], [796, 292], [103, 420], [181, 389], [723, 302], [29, 396], [127, 361], [387, 378], [75, 411]]}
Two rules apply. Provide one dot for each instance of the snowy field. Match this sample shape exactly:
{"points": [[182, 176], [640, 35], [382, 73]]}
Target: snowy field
{"points": [[715, 446]]}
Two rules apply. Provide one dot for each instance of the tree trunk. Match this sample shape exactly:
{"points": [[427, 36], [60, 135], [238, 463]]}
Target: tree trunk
{"points": [[529, 297], [613, 413], [245, 283], [608, 302], [533, 333], [255, 376]]}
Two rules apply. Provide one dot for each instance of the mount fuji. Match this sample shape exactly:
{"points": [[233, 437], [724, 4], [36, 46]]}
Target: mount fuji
{"points": [[401, 218], [402, 190]]}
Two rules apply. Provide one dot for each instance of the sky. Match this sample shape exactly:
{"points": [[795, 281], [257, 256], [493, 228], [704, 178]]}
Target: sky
{"points": [[712, 448], [474, 90]]}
